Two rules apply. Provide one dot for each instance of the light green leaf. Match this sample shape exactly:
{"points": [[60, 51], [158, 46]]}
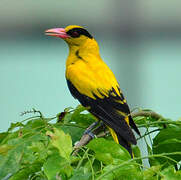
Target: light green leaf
{"points": [[15, 125], [3, 136], [5, 148], [61, 141], [170, 174], [57, 166], [126, 172], [75, 132], [152, 173], [107, 150]]}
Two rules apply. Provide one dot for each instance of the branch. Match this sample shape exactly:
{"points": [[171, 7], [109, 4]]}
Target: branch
{"points": [[146, 114], [86, 138]]}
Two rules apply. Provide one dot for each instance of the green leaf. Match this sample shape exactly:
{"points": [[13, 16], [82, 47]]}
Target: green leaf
{"points": [[35, 125], [137, 153], [57, 166], [126, 172], [38, 150], [172, 132], [15, 125], [3, 136], [27, 171], [152, 173], [75, 132], [106, 150], [152, 160], [168, 140], [62, 142], [19, 152], [170, 174], [79, 174], [10, 163], [112, 155], [67, 118], [84, 119], [79, 109], [10, 136], [5, 148]]}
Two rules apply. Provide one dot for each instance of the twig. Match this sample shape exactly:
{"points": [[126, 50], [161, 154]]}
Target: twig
{"points": [[32, 111], [147, 133], [146, 114]]}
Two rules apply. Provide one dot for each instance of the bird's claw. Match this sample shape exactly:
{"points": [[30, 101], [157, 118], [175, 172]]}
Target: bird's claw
{"points": [[90, 133]]}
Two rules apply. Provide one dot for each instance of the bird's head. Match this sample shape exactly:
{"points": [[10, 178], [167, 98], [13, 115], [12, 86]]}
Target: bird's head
{"points": [[74, 35]]}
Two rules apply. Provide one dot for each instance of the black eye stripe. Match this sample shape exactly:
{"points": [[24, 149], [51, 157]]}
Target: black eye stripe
{"points": [[80, 31]]}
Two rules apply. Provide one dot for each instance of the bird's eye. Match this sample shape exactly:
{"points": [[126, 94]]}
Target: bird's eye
{"points": [[75, 34]]}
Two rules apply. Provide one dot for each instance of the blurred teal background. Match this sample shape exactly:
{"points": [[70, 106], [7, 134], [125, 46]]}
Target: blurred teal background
{"points": [[140, 41]]}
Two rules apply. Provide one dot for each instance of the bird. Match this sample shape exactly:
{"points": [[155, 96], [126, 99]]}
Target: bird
{"points": [[94, 85]]}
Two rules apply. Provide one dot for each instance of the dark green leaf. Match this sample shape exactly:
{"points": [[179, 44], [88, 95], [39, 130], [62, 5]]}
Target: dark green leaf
{"points": [[84, 119], [152, 160], [10, 163], [137, 153], [35, 125], [27, 171], [75, 132], [79, 174], [167, 141]]}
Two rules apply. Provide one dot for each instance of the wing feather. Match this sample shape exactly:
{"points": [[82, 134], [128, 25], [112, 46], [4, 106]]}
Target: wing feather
{"points": [[107, 109]]}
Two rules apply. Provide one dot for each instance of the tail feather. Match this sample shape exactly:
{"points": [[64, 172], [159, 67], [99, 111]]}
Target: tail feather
{"points": [[125, 144], [133, 125], [119, 140]]}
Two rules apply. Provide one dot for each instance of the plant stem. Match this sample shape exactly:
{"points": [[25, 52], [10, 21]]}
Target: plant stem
{"points": [[159, 122], [148, 133], [84, 156]]}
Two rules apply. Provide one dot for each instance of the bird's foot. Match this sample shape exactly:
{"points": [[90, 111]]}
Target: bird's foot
{"points": [[90, 133], [90, 128]]}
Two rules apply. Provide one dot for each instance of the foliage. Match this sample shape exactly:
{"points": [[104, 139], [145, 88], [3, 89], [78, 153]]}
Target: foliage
{"points": [[37, 149]]}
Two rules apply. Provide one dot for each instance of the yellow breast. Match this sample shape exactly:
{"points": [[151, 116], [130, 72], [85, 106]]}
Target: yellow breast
{"points": [[91, 76]]}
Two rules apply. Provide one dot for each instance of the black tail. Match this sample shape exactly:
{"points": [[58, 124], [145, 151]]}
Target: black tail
{"points": [[133, 125], [125, 144]]}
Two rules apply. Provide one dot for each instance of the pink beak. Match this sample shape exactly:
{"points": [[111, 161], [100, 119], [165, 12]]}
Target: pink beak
{"points": [[57, 32]]}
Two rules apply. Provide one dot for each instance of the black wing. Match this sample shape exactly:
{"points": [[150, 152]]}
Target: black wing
{"points": [[107, 110]]}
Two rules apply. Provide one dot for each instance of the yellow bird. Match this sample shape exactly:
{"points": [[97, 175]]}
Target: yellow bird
{"points": [[92, 82]]}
